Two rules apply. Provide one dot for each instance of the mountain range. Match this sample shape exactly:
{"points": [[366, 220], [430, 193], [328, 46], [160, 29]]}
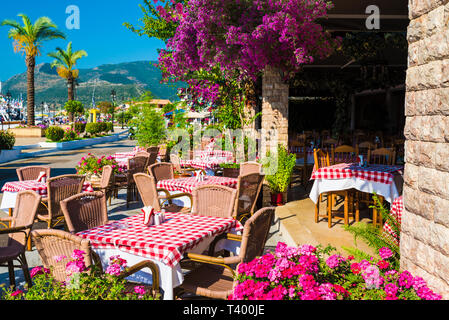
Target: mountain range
{"points": [[129, 80]]}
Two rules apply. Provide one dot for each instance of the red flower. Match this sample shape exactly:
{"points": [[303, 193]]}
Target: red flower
{"points": [[355, 268], [383, 264]]}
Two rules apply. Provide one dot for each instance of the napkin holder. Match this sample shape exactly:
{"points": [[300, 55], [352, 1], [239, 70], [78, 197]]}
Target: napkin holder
{"points": [[148, 216], [361, 162], [199, 176], [42, 177]]}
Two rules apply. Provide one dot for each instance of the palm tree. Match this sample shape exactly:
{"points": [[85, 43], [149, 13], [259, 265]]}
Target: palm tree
{"points": [[28, 39], [65, 62]]}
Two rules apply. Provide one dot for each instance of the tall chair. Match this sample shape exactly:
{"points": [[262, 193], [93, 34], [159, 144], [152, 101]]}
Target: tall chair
{"points": [[248, 190], [106, 184], [214, 200], [18, 232], [382, 156], [32, 172], [85, 211], [215, 277], [58, 189], [154, 149], [146, 186], [364, 148], [344, 154], [51, 243]]}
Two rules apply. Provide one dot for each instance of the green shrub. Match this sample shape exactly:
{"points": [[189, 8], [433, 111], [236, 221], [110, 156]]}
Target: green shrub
{"points": [[79, 127], [7, 140], [102, 127], [278, 177], [93, 128], [54, 133], [109, 126]]}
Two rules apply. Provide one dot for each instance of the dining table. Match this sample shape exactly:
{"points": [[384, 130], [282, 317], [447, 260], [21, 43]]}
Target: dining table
{"points": [[164, 244], [11, 189], [384, 180]]}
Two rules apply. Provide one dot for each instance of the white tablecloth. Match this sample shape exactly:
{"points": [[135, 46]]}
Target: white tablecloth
{"points": [[389, 191], [8, 200]]}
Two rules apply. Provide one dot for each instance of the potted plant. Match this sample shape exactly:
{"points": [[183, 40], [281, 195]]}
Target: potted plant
{"points": [[278, 177], [92, 167], [230, 170]]}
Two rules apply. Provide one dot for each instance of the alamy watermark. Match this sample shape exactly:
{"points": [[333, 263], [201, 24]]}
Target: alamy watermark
{"points": [[73, 21], [373, 21]]}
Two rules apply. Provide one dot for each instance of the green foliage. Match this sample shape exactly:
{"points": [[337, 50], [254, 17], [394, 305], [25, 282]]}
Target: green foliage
{"points": [[70, 135], [79, 127], [150, 127], [106, 107], [95, 128], [109, 126], [54, 133], [7, 140], [375, 237], [93, 165], [230, 165], [75, 107], [279, 180]]}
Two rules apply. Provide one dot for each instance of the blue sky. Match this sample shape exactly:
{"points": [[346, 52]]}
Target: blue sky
{"points": [[101, 32]]}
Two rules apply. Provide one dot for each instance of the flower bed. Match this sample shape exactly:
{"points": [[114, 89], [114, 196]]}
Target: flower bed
{"points": [[310, 273], [82, 283]]}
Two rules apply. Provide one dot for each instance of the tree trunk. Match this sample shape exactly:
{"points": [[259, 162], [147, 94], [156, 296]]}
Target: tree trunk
{"points": [[31, 64], [71, 96]]}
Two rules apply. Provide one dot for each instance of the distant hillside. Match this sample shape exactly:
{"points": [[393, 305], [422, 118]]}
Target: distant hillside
{"points": [[129, 80]]}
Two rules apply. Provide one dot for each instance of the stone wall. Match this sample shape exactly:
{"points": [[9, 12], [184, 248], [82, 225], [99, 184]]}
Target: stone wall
{"points": [[425, 223], [275, 94]]}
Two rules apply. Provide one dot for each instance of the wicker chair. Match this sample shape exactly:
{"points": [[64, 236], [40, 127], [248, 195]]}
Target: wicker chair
{"points": [[32, 172], [58, 189], [248, 190], [365, 147], [152, 159], [214, 200], [153, 149], [51, 243], [106, 184], [250, 167], [215, 278], [146, 186], [344, 154], [136, 164], [85, 211], [19, 229], [161, 171], [176, 161]]}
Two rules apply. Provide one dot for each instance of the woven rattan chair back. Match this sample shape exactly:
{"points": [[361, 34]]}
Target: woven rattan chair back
{"points": [[344, 154], [214, 200], [24, 214], [153, 149], [52, 243], [176, 162], [146, 186], [137, 164], [106, 177], [382, 156], [250, 167], [161, 171], [85, 211], [32, 172], [60, 188], [255, 234], [152, 158], [248, 190], [321, 159]]}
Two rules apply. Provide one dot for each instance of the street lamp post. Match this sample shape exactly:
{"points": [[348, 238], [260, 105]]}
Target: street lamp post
{"points": [[8, 101], [113, 97]]}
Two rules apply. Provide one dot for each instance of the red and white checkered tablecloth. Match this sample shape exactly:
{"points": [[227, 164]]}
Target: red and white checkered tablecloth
{"points": [[375, 173], [166, 242], [39, 187], [397, 207], [226, 156], [204, 164], [188, 184]]}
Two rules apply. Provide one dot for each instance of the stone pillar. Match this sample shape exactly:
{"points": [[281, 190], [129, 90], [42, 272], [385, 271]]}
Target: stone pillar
{"points": [[275, 94], [425, 222]]}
